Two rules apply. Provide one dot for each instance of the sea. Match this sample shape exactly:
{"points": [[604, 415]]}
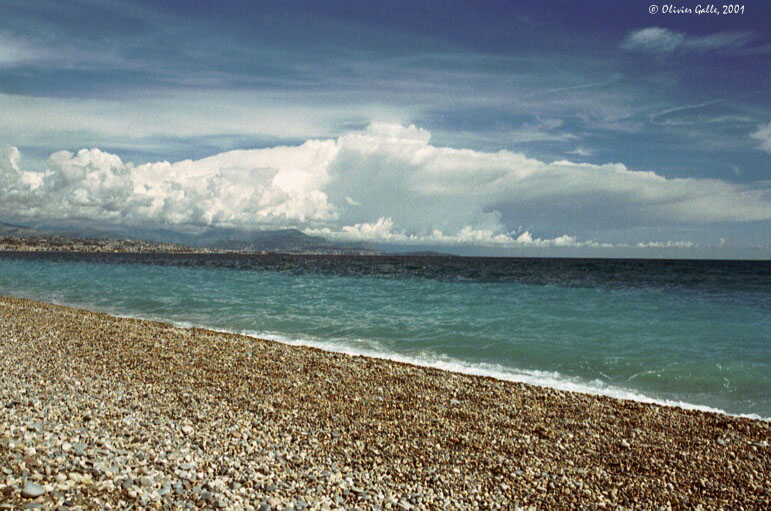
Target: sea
{"points": [[694, 334]]}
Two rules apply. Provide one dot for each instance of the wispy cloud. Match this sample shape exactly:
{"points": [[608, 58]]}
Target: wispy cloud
{"points": [[654, 40], [664, 40], [718, 41], [531, 133], [179, 114], [667, 244], [707, 119], [581, 151], [684, 108], [574, 87], [763, 135], [15, 51]]}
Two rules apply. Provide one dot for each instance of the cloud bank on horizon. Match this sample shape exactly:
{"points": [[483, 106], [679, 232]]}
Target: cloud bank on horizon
{"points": [[387, 183]]}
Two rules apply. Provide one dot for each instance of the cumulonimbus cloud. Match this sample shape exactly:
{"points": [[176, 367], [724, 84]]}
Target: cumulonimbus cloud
{"points": [[385, 183]]}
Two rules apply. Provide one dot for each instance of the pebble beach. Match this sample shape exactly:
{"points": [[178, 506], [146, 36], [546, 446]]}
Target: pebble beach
{"points": [[101, 412]]}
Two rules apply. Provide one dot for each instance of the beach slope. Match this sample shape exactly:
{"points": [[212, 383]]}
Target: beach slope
{"points": [[99, 412]]}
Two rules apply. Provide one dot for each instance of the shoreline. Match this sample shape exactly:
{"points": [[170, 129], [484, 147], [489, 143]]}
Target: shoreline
{"points": [[455, 366], [529, 377], [532, 378], [145, 413]]}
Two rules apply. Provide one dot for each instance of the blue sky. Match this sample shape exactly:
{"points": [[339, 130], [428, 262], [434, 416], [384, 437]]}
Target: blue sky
{"points": [[596, 83]]}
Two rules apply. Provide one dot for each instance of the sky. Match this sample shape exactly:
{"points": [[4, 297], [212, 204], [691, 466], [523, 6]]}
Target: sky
{"points": [[556, 128]]}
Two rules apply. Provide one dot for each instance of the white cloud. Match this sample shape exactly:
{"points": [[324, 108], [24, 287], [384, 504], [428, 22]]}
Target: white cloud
{"points": [[16, 184], [184, 113], [9, 160], [15, 51], [385, 231], [387, 183], [664, 40], [526, 239], [581, 151], [718, 41], [274, 186], [382, 230], [653, 39], [763, 134], [667, 244], [544, 132]]}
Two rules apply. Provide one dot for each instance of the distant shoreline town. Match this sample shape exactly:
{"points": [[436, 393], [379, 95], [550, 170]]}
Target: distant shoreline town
{"points": [[18, 238], [67, 244], [132, 246]]}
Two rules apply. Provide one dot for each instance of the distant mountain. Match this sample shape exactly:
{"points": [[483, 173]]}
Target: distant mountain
{"points": [[282, 240], [18, 231], [424, 253]]}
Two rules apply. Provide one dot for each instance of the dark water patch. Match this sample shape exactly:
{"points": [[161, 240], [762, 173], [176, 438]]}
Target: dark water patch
{"points": [[697, 275]]}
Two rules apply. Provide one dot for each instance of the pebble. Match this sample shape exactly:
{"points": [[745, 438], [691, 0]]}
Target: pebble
{"points": [[32, 490]]}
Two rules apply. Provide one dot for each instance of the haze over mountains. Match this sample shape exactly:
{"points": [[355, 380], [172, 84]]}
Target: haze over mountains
{"points": [[282, 240], [18, 231]]}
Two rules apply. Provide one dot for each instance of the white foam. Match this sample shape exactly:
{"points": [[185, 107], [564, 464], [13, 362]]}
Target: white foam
{"points": [[547, 379], [372, 349]]}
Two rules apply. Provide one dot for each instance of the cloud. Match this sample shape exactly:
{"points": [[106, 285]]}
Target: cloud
{"points": [[385, 231], [385, 183], [15, 51], [581, 151], [182, 113], [763, 134], [653, 39], [720, 40], [663, 40], [683, 108], [544, 131], [275, 186], [16, 184], [46, 50], [667, 244]]}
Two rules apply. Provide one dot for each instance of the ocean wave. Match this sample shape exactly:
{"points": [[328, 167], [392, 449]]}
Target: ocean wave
{"points": [[373, 349], [548, 379]]}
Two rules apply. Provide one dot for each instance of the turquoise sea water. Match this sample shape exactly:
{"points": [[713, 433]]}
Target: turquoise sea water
{"points": [[696, 334]]}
